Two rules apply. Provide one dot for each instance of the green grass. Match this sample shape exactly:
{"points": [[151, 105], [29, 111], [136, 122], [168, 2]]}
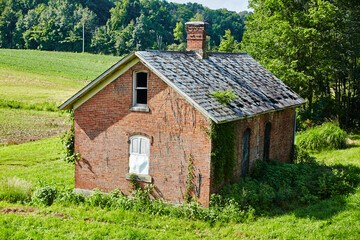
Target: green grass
{"points": [[73, 66], [335, 218], [35, 161], [40, 80]]}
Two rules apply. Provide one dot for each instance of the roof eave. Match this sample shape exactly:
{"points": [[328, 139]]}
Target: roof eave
{"points": [[258, 114]]}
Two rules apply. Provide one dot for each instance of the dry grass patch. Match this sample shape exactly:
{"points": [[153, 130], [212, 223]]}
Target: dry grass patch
{"points": [[20, 126]]}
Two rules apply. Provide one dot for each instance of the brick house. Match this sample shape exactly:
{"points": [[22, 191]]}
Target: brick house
{"points": [[148, 113]]}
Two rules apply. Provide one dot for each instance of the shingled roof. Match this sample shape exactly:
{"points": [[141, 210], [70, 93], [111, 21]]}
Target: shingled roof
{"points": [[257, 90]]}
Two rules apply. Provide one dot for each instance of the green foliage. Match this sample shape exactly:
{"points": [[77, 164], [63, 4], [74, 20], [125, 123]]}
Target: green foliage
{"points": [[222, 155], [224, 97], [228, 43], [273, 184], [197, 18], [134, 185], [68, 197], [46, 106], [68, 141], [45, 194], [177, 47], [111, 27], [300, 155], [304, 44], [179, 32], [13, 189], [326, 136]]}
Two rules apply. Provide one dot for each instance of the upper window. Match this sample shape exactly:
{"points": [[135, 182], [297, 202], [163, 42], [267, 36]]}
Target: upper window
{"points": [[267, 141], [139, 155], [140, 89]]}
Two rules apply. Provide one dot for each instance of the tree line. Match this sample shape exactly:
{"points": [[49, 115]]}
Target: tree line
{"points": [[111, 26]]}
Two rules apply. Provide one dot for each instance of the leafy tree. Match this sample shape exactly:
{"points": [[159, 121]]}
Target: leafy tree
{"points": [[179, 32], [197, 18], [228, 43], [313, 46], [123, 13], [142, 29]]}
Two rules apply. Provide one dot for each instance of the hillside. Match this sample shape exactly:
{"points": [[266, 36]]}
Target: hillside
{"points": [[39, 80]]}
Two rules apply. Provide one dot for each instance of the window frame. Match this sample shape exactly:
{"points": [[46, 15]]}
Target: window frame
{"points": [[135, 105]]}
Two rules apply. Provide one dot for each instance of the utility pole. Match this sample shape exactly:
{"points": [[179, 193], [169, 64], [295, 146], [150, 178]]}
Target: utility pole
{"points": [[83, 47]]}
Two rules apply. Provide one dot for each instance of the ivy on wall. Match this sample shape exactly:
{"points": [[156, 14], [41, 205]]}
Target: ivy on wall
{"points": [[189, 180], [222, 155], [68, 141]]}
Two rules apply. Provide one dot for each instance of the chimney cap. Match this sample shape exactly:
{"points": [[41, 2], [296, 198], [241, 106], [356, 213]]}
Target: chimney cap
{"points": [[196, 24]]}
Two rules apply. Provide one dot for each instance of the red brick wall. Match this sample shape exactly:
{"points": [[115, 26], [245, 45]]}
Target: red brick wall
{"points": [[281, 137], [103, 125]]}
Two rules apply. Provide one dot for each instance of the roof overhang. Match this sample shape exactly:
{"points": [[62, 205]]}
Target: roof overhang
{"points": [[118, 68]]}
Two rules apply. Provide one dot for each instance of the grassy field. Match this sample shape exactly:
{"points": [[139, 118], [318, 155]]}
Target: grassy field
{"points": [[38, 80], [35, 161], [335, 218], [72, 66]]}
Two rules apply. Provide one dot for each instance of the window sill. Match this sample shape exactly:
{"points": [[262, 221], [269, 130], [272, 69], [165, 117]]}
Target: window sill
{"points": [[139, 109], [139, 177]]}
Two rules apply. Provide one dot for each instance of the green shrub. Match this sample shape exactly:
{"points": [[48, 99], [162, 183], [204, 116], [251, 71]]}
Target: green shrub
{"points": [[69, 197], [272, 184], [15, 190], [45, 194], [300, 155], [98, 199], [326, 136]]}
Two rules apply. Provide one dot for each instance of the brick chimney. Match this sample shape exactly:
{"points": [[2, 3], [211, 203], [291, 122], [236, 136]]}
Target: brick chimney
{"points": [[196, 37]]}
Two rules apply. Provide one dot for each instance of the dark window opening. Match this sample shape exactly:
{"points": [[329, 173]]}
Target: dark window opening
{"points": [[140, 90], [245, 156], [267, 141], [141, 79], [141, 96]]}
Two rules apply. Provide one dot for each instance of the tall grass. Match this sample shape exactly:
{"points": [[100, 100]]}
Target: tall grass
{"points": [[15, 190], [326, 136], [45, 106]]}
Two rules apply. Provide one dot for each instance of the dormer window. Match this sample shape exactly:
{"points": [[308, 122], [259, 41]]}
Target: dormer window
{"points": [[140, 89]]}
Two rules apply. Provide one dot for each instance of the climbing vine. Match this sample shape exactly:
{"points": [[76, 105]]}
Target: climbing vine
{"points": [[222, 155], [189, 180], [68, 141]]}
